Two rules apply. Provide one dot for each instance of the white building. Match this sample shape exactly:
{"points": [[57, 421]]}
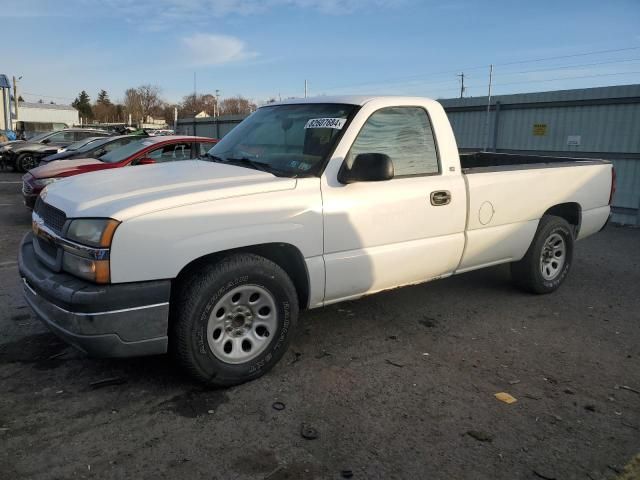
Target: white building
{"points": [[47, 113]]}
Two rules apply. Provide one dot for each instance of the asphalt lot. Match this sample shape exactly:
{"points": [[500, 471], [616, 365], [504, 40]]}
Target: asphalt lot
{"points": [[397, 385]]}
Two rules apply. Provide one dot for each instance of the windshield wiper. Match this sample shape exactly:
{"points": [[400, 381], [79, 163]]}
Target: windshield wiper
{"points": [[246, 162], [213, 158]]}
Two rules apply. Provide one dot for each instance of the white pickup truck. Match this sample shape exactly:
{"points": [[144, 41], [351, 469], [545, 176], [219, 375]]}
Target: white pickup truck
{"points": [[305, 203]]}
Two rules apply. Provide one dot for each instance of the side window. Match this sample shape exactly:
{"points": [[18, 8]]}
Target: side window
{"points": [[113, 145], [202, 148], [62, 137], [82, 135], [170, 153], [403, 133]]}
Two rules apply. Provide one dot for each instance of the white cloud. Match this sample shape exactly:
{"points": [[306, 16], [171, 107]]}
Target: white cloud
{"points": [[162, 15], [207, 49]]}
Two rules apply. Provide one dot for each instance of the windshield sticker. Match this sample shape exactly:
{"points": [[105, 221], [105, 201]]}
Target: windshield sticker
{"points": [[336, 123]]}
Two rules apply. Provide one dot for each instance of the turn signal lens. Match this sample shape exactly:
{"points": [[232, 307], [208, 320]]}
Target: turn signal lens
{"points": [[94, 270]]}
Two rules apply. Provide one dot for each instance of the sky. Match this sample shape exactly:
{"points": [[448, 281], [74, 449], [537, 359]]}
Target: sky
{"points": [[265, 49]]}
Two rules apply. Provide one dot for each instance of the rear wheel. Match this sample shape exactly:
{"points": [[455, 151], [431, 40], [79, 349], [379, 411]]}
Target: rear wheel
{"points": [[233, 320], [25, 162], [548, 260]]}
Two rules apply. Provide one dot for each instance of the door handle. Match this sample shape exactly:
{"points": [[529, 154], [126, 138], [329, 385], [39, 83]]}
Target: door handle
{"points": [[440, 198]]}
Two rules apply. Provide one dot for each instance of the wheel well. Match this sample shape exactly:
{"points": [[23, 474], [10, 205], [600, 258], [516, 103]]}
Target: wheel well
{"points": [[571, 212], [285, 255]]}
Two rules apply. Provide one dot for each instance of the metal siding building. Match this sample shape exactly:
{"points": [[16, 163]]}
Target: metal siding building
{"points": [[601, 122], [48, 113], [208, 126]]}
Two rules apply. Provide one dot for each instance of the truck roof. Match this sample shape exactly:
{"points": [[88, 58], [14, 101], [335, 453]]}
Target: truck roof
{"points": [[355, 99]]}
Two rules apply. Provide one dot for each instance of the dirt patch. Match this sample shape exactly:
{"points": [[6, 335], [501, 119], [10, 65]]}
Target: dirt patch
{"points": [[196, 403], [41, 350]]}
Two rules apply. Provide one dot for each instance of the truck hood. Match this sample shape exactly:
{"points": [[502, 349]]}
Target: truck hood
{"points": [[129, 192], [66, 168]]}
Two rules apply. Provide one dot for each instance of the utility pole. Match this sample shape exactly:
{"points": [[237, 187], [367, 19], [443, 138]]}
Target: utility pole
{"points": [[461, 75], [305, 89], [217, 112], [15, 95], [486, 145]]}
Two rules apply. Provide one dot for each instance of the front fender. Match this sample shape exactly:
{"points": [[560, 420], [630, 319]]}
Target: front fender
{"points": [[158, 245]]}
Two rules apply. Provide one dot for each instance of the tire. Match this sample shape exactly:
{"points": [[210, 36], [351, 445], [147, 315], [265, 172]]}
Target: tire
{"points": [[208, 317], [548, 260], [25, 162]]}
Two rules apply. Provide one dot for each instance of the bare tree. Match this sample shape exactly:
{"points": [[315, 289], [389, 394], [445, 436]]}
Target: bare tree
{"points": [[194, 104], [167, 112], [131, 103], [150, 101], [236, 106], [143, 101]]}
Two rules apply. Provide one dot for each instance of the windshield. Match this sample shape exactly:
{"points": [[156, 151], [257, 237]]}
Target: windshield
{"points": [[42, 136], [124, 152], [82, 143], [97, 142], [289, 140]]}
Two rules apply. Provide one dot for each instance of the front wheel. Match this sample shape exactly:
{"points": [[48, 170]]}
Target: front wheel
{"points": [[548, 260], [25, 162], [233, 320]]}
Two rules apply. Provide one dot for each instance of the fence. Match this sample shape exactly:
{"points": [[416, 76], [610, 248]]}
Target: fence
{"points": [[599, 122], [208, 126]]}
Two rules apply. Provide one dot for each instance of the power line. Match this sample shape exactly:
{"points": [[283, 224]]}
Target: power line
{"points": [[467, 87], [478, 67], [579, 65], [596, 52], [569, 78]]}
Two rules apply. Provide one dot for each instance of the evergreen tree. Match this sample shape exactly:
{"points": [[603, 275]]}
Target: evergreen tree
{"points": [[103, 98], [82, 103]]}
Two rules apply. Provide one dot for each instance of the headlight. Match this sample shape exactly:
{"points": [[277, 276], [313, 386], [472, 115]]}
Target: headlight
{"points": [[89, 263], [43, 182], [95, 232]]}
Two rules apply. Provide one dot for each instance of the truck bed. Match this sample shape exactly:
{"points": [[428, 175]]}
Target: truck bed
{"points": [[479, 162]]}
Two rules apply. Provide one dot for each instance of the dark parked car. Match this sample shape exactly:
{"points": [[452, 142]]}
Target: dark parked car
{"points": [[25, 155], [142, 151], [93, 147]]}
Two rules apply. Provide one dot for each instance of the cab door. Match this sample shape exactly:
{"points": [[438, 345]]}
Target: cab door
{"points": [[384, 234]]}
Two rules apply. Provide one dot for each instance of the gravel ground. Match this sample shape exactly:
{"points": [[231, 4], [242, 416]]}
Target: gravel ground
{"points": [[397, 385]]}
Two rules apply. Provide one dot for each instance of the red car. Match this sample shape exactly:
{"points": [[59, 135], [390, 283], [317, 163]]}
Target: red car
{"points": [[139, 152]]}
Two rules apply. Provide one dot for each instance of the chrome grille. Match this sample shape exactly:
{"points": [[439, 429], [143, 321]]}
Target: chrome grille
{"points": [[52, 217]]}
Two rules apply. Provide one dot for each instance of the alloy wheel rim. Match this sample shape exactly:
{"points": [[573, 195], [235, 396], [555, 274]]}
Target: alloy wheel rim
{"points": [[28, 163], [242, 324], [553, 256]]}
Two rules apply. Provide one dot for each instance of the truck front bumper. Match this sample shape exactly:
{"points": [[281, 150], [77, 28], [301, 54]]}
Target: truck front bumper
{"points": [[118, 320]]}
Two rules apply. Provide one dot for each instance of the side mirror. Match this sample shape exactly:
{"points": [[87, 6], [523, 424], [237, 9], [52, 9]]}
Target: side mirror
{"points": [[46, 140], [146, 161], [367, 167]]}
